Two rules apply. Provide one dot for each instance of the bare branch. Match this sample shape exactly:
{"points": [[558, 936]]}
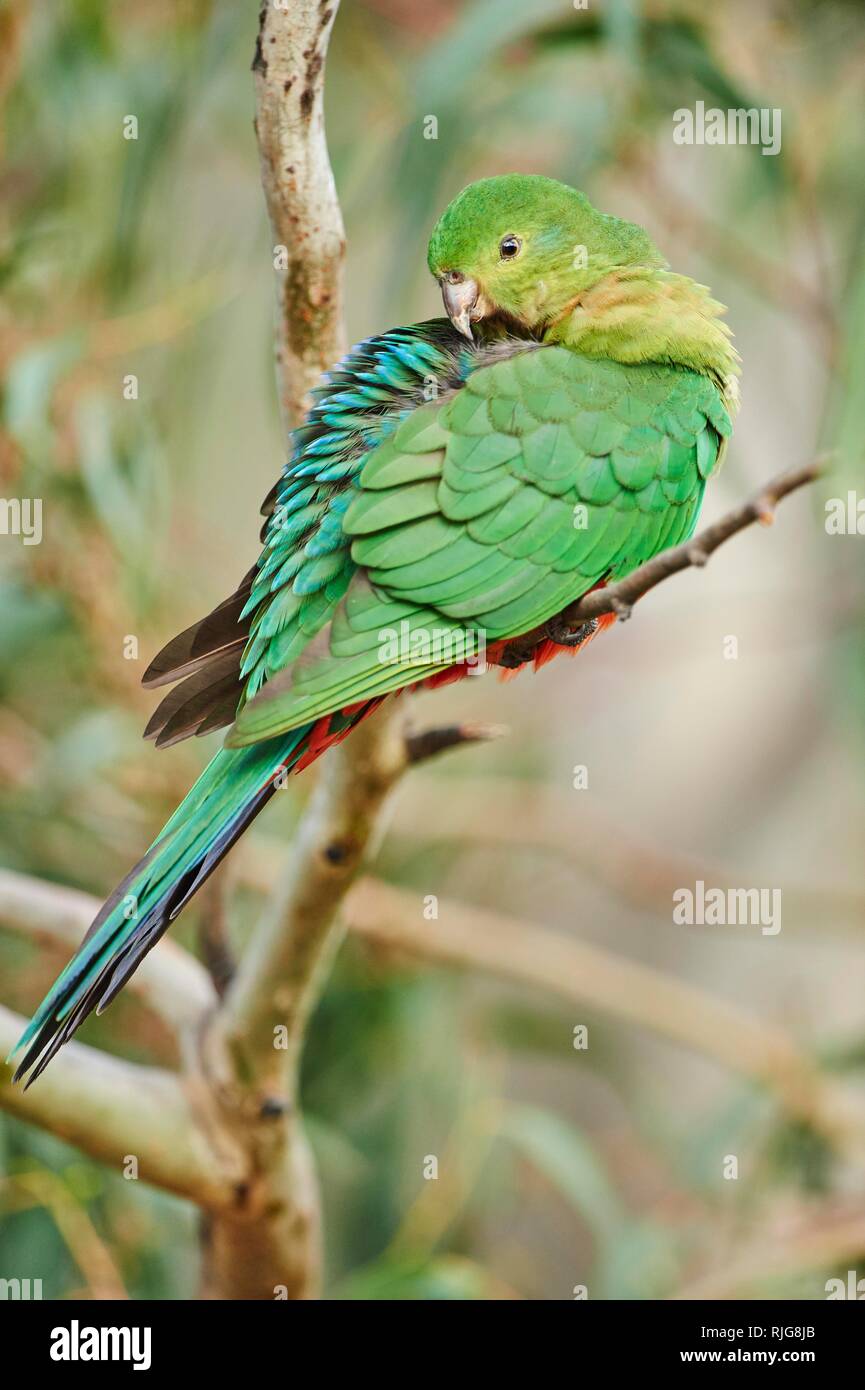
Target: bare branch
{"points": [[283, 968], [280, 975], [595, 979], [428, 743], [309, 239], [114, 1110], [481, 940], [252, 1051], [620, 598]]}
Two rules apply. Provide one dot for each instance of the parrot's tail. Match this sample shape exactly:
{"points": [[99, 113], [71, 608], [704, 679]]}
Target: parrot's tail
{"points": [[228, 795]]}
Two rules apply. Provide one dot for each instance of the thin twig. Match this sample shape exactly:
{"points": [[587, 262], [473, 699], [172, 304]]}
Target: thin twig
{"points": [[620, 598], [428, 743]]}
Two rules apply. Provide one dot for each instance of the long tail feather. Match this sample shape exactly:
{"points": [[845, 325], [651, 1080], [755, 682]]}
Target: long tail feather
{"points": [[230, 792]]}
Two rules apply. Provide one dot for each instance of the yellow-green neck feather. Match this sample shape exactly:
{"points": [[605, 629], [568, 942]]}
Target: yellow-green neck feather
{"points": [[645, 314]]}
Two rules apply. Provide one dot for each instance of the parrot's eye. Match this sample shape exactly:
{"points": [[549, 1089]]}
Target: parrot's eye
{"points": [[509, 247]]}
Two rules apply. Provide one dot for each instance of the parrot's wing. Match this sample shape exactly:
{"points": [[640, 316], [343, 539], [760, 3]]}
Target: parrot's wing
{"points": [[487, 513], [306, 563]]}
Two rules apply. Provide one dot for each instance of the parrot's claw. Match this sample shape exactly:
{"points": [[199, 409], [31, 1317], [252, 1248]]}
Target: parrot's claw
{"points": [[558, 630]]}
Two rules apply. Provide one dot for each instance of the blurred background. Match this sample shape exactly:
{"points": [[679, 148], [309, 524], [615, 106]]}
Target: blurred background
{"points": [[561, 1166]]}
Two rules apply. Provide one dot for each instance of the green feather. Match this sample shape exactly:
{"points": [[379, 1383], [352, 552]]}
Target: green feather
{"points": [[464, 506], [376, 511], [507, 520], [482, 528]]}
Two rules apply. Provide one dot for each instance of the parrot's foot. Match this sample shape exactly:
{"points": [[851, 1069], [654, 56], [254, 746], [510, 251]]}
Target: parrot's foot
{"points": [[519, 652], [559, 632]]}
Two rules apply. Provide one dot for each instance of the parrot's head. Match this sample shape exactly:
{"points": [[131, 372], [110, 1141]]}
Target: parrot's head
{"points": [[520, 248]]}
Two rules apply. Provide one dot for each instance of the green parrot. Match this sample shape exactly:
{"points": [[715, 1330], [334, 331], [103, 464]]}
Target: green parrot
{"points": [[455, 486]]}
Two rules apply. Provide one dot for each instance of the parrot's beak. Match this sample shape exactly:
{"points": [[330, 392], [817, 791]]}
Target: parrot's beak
{"points": [[460, 298]]}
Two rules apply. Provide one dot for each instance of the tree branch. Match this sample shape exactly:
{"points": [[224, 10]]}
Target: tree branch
{"points": [[114, 1110], [423, 744], [281, 974], [600, 981], [255, 1043], [305, 217], [267, 1007], [298, 940], [620, 598]]}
